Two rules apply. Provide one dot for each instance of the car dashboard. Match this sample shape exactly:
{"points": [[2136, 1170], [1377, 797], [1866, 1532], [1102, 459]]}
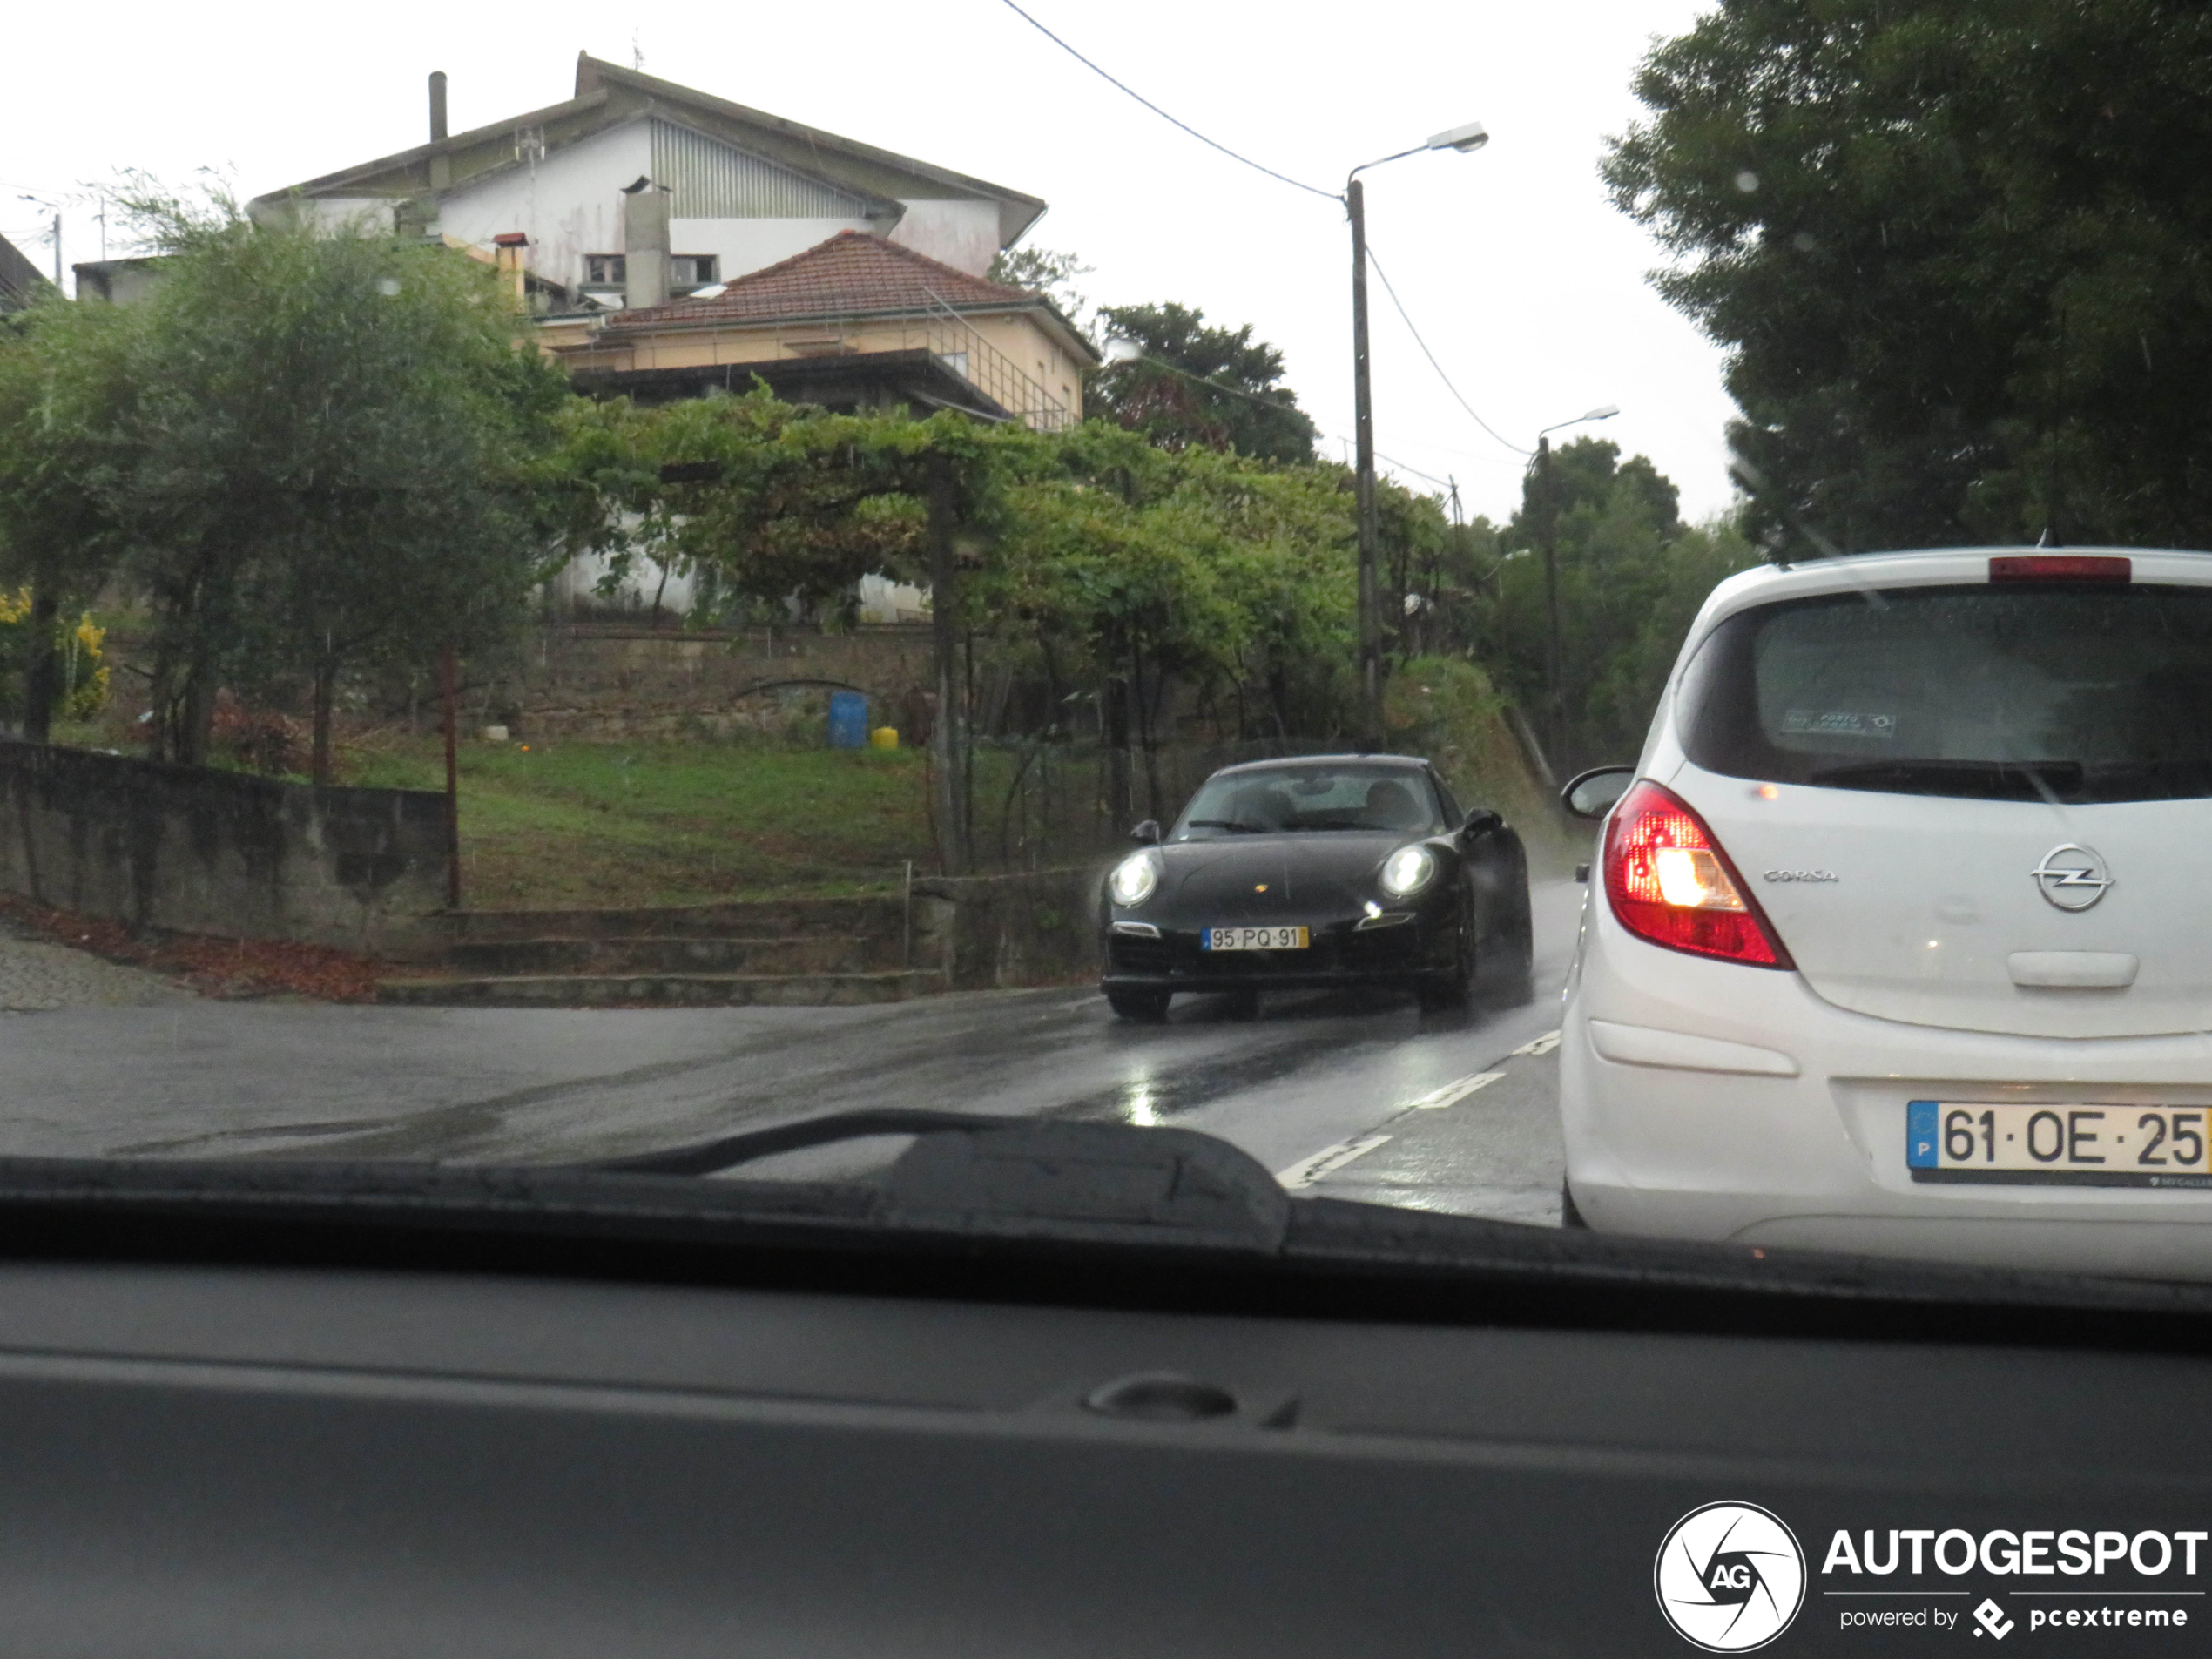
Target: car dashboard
{"points": [[342, 1456]]}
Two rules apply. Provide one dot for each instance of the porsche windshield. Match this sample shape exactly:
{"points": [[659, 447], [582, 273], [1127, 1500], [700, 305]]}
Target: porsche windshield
{"points": [[1292, 801]]}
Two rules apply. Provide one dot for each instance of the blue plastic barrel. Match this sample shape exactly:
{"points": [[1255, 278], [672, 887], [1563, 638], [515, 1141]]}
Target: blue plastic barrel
{"points": [[848, 720]]}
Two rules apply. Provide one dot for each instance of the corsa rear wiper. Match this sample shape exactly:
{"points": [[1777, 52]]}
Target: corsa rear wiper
{"points": [[1019, 1175], [1995, 779]]}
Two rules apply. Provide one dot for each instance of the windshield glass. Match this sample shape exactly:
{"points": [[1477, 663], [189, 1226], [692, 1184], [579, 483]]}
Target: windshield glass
{"points": [[592, 637], [2078, 694], [1331, 796]]}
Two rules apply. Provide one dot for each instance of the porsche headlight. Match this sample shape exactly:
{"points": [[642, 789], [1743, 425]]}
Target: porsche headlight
{"points": [[1134, 878], [1407, 871]]}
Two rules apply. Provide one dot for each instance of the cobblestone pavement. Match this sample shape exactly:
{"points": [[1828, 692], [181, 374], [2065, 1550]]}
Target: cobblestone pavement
{"points": [[36, 976]]}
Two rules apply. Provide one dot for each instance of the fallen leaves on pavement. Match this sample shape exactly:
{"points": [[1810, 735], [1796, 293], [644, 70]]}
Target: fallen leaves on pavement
{"points": [[230, 969]]}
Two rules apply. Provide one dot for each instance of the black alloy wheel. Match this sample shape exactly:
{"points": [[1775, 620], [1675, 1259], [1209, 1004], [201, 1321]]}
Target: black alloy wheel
{"points": [[1509, 966], [1150, 1007]]}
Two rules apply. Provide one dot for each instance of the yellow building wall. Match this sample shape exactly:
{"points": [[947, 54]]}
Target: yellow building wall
{"points": [[1015, 338]]}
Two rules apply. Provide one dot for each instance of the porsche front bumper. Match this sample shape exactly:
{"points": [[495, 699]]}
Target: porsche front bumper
{"points": [[1340, 952]]}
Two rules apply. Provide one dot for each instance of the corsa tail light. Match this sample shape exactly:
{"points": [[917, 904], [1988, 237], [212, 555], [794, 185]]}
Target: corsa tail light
{"points": [[1669, 882]]}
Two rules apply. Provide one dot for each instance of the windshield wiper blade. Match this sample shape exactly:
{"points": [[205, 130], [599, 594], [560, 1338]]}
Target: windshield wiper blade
{"points": [[727, 1151], [970, 1171], [1223, 824], [2001, 780]]}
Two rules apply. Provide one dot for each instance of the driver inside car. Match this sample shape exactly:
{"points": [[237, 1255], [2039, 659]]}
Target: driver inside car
{"points": [[1390, 806]]}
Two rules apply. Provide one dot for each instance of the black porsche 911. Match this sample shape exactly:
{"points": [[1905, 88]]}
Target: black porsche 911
{"points": [[1327, 870]]}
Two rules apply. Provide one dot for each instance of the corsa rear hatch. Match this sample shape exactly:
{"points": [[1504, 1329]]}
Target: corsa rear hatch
{"points": [[1981, 804]]}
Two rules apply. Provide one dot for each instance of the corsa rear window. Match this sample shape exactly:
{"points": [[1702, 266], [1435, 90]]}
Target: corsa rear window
{"points": [[2011, 693]]}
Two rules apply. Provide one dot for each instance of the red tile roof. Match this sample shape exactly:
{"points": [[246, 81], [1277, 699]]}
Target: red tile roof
{"points": [[853, 274]]}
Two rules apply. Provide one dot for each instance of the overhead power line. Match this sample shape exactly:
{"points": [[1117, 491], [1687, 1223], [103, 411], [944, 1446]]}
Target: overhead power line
{"points": [[1295, 184], [1123, 86], [1432, 363]]}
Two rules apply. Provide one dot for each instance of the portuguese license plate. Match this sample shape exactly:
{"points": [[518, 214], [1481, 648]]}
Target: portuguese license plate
{"points": [[2073, 1145], [1252, 938]]}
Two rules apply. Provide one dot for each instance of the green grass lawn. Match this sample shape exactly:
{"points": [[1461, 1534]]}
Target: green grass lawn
{"points": [[574, 824]]}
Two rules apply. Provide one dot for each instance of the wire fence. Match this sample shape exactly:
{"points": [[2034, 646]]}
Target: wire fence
{"points": [[1044, 803]]}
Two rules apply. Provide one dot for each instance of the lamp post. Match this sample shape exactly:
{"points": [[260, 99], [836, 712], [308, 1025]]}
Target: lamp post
{"points": [[1547, 512], [1464, 139]]}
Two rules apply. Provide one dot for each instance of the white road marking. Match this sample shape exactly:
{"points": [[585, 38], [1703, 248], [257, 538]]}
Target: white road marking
{"points": [[1307, 1170], [1544, 1044], [1453, 1093]]}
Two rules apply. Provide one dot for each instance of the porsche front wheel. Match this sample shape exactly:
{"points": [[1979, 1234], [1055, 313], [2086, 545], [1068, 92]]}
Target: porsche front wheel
{"points": [[1450, 988]]}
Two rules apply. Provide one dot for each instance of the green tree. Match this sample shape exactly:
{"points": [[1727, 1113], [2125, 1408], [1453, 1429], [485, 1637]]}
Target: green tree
{"points": [[66, 395], [1111, 566], [1631, 578], [1045, 271], [333, 460], [1197, 386], [1958, 253]]}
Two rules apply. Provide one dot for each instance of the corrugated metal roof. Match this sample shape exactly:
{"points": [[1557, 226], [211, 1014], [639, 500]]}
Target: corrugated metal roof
{"points": [[710, 180]]}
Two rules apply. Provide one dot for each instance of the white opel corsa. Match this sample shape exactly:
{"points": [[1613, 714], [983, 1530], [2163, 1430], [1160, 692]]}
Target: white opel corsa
{"points": [[1900, 938]]}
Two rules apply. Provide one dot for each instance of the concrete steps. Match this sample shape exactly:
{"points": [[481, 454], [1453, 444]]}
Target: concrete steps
{"points": [[661, 990], [875, 918], [675, 954], [793, 952]]}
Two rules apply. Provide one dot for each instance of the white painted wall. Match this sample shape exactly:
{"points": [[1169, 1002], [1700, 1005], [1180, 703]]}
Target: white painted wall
{"points": [[568, 205], [578, 581], [963, 234], [748, 245], [371, 215], [883, 600]]}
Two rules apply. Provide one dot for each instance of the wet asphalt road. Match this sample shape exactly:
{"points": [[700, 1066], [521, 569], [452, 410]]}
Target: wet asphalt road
{"points": [[1360, 1095]]}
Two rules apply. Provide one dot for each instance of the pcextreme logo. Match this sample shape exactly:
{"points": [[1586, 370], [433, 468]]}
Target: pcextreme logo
{"points": [[1729, 1577]]}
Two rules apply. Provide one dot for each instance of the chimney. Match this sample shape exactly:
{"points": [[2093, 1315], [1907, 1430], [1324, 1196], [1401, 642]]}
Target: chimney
{"points": [[644, 245], [437, 105], [510, 249]]}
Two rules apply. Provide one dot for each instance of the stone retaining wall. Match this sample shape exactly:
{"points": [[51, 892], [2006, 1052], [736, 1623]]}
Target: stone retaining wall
{"points": [[996, 932], [610, 682], [204, 852]]}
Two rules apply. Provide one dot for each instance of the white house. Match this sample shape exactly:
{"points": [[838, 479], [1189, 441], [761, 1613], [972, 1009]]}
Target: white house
{"points": [[740, 189]]}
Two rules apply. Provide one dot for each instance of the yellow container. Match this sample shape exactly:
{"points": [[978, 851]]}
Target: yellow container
{"points": [[884, 736]]}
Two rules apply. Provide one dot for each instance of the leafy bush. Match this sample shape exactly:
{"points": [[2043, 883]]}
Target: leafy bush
{"points": [[82, 671]]}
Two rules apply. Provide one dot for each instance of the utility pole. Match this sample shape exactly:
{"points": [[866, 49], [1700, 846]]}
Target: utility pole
{"points": [[1370, 731], [450, 718], [58, 250], [1465, 140], [946, 769], [1548, 515]]}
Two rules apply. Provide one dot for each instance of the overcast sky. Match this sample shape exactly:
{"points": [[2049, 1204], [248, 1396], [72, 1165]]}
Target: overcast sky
{"points": [[1526, 283]]}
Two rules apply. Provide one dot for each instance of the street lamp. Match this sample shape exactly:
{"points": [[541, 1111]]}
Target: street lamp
{"points": [[1464, 139], [1549, 510]]}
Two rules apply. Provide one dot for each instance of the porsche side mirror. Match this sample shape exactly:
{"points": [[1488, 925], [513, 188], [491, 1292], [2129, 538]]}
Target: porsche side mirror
{"points": [[1591, 795], [1146, 834], [1481, 822]]}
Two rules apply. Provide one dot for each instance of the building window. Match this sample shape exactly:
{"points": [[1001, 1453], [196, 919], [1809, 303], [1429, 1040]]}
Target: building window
{"points": [[605, 270], [693, 270]]}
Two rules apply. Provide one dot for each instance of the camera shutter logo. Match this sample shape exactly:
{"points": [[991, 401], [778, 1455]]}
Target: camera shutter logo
{"points": [[1729, 1577]]}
